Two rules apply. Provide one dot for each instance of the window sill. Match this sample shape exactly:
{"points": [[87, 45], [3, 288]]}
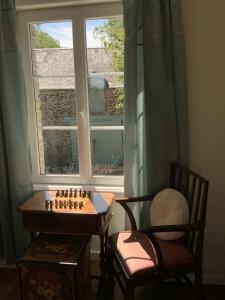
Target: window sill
{"points": [[97, 188]]}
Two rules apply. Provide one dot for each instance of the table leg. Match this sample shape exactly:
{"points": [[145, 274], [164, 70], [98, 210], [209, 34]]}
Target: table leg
{"points": [[32, 236], [103, 282], [102, 256]]}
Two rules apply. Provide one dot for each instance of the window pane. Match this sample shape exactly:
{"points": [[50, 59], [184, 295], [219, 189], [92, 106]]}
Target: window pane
{"points": [[53, 73], [105, 53], [58, 152], [107, 152]]}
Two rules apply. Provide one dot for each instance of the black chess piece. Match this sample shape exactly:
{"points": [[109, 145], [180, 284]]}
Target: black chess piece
{"points": [[46, 204], [57, 194], [51, 204], [70, 204]]}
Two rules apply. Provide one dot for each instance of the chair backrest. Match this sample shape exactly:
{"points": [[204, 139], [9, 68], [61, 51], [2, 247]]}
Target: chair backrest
{"points": [[195, 189]]}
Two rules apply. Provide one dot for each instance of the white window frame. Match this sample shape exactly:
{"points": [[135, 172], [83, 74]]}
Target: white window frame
{"points": [[77, 15]]}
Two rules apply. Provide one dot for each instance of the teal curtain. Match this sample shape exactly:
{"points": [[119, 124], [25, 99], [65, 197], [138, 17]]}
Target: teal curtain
{"points": [[156, 129], [15, 164]]}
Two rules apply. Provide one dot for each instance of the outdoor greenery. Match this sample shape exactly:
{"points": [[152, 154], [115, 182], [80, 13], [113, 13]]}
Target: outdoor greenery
{"points": [[43, 40], [111, 33]]}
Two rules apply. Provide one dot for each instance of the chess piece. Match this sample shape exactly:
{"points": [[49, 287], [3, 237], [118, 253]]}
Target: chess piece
{"points": [[75, 193], [70, 204], [89, 195], [66, 194], [46, 204], [57, 194], [51, 204], [75, 204], [71, 193]]}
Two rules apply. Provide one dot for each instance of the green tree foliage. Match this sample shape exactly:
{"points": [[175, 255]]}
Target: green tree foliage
{"points": [[43, 40], [111, 33]]}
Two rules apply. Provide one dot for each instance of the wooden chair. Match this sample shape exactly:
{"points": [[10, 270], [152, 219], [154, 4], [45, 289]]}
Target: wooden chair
{"points": [[142, 258]]}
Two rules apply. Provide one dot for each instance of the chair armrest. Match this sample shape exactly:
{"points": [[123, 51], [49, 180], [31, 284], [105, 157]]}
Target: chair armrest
{"points": [[123, 202], [135, 199], [169, 228]]}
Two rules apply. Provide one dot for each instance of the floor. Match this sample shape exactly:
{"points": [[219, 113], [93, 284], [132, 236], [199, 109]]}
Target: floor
{"points": [[9, 290]]}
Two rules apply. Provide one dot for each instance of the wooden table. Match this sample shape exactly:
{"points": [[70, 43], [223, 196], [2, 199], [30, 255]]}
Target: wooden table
{"points": [[91, 219]]}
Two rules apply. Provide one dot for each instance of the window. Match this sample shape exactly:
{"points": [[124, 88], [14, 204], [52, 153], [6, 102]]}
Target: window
{"points": [[73, 59]]}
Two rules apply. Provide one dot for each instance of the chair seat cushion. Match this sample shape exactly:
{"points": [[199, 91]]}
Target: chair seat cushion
{"points": [[135, 252], [137, 255], [174, 254]]}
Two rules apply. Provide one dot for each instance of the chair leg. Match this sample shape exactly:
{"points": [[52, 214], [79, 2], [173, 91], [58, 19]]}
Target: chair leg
{"points": [[199, 283], [111, 272], [129, 293]]}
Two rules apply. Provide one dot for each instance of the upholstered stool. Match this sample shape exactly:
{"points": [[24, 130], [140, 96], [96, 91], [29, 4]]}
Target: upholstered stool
{"points": [[56, 267]]}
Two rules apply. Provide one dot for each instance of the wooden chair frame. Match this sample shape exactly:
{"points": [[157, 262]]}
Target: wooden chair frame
{"points": [[195, 188]]}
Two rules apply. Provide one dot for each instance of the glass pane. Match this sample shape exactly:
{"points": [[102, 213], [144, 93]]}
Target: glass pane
{"points": [[105, 56], [53, 73], [58, 152], [107, 152]]}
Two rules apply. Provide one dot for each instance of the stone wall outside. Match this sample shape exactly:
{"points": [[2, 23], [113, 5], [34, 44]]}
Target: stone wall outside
{"points": [[58, 108]]}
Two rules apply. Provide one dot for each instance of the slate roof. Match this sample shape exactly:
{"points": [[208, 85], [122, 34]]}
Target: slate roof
{"points": [[55, 68]]}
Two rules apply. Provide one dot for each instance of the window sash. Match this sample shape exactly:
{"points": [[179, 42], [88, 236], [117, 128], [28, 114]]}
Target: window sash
{"points": [[77, 15]]}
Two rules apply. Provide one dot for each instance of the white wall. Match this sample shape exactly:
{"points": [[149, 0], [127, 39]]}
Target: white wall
{"points": [[204, 28]]}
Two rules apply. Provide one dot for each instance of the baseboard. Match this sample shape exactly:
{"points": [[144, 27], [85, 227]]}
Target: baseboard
{"points": [[95, 254], [214, 279], [2, 263]]}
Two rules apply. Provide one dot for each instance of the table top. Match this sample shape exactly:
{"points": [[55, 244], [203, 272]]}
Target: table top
{"points": [[48, 202]]}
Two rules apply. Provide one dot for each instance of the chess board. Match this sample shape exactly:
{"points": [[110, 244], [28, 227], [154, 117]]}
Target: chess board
{"points": [[73, 199]]}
